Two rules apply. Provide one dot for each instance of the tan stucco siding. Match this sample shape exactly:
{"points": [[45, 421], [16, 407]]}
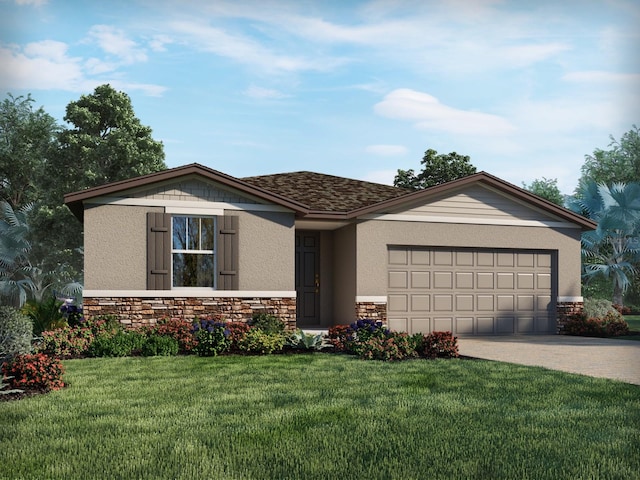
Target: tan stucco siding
{"points": [[374, 236], [115, 247], [477, 202], [345, 274], [267, 246]]}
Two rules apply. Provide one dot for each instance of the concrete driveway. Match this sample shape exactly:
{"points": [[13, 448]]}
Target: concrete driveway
{"points": [[595, 357]]}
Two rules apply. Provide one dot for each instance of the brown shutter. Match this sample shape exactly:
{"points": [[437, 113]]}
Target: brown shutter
{"points": [[158, 251], [228, 252]]}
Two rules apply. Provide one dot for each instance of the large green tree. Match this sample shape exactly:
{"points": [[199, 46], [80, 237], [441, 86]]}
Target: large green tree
{"points": [[436, 169], [546, 188], [27, 142], [612, 251], [105, 142], [619, 164]]}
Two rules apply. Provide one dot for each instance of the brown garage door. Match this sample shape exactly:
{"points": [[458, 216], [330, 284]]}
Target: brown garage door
{"points": [[470, 292]]}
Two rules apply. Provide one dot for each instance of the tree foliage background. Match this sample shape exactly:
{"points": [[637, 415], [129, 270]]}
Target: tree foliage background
{"points": [[436, 169], [41, 161]]}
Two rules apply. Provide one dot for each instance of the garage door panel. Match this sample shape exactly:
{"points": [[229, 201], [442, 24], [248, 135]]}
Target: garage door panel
{"points": [[443, 324], [420, 325], [420, 279], [443, 303], [443, 280], [471, 292], [505, 325], [464, 326], [420, 303], [397, 303], [526, 324], [398, 280], [399, 324], [485, 325]]}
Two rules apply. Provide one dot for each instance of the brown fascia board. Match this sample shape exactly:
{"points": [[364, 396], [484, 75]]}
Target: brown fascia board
{"points": [[490, 180], [74, 201]]}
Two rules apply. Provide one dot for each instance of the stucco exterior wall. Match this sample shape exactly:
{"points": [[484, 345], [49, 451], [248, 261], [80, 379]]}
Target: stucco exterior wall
{"points": [[345, 275], [267, 246], [374, 236], [115, 247]]}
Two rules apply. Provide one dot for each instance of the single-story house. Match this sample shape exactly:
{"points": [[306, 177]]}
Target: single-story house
{"points": [[475, 256]]}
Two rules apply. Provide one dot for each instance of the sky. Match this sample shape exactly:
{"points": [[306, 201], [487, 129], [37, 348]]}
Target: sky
{"points": [[358, 89]]}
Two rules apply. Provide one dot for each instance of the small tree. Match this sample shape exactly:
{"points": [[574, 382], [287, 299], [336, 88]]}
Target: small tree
{"points": [[613, 249], [546, 188], [437, 169]]}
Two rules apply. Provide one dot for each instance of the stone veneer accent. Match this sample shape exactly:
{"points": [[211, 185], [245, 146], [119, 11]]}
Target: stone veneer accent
{"points": [[372, 310], [565, 311], [136, 312]]}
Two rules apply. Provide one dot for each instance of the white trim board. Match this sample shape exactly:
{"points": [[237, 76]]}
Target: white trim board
{"points": [[371, 299], [189, 293], [465, 220], [186, 205]]}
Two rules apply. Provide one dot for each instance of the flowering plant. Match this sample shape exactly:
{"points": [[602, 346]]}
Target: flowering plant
{"points": [[34, 372], [212, 336]]}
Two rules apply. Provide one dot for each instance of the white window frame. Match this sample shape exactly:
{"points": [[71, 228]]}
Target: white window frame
{"points": [[213, 252]]}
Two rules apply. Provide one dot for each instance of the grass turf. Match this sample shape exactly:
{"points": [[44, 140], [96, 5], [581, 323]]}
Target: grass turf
{"points": [[320, 417], [634, 325]]}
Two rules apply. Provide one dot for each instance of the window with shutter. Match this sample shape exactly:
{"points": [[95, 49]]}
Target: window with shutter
{"points": [[192, 251]]}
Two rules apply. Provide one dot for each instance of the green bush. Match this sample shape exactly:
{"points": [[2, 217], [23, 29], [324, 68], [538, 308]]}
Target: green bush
{"points": [[44, 314], [390, 347], [267, 323], [258, 341], [597, 307], [16, 333], [179, 329], [304, 341], [611, 325], [212, 337], [123, 344], [74, 342], [159, 345]]}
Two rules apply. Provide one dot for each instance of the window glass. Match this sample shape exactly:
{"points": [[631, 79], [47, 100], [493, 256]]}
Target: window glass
{"points": [[193, 251]]}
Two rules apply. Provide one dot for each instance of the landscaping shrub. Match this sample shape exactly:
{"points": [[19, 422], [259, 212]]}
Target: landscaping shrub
{"points": [[611, 325], [393, 346], [440, 345], [237, 332], [623, 309], [72, 313], [159, 345], [16, 332], [596, 307], [178, 329], [304, 341], [34, 372], [44, 314], [259, 341], [123, 344], [267, 323], [339, 336], [74, 342], [364, 329], [212, 337]]}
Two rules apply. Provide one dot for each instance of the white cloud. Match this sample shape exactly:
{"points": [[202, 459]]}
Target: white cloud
{"points": [[115, 42], [47, 65], [599, 76], [247, 51], [264, 93], [426, 112], [387, 150], [35, 3], [158, 42]]}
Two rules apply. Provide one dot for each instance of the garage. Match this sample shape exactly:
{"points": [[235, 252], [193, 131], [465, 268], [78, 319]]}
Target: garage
{"points": [[471, 291]]}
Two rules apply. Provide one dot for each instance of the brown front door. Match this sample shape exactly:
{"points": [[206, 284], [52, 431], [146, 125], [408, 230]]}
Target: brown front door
{"points": [[308, 278]]}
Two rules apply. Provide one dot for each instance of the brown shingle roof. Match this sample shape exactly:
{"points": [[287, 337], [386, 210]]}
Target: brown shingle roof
{"points": [[326, 193]]}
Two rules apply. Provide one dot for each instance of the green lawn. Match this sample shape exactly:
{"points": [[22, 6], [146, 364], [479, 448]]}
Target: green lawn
{"points": [[634, 325], [321, 416]]}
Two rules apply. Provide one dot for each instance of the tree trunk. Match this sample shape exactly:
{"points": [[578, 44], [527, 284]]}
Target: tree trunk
{"points": [[617, 294]]}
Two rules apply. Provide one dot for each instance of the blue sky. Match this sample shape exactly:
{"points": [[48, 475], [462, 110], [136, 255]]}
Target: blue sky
{"points": [[351, 88]]}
